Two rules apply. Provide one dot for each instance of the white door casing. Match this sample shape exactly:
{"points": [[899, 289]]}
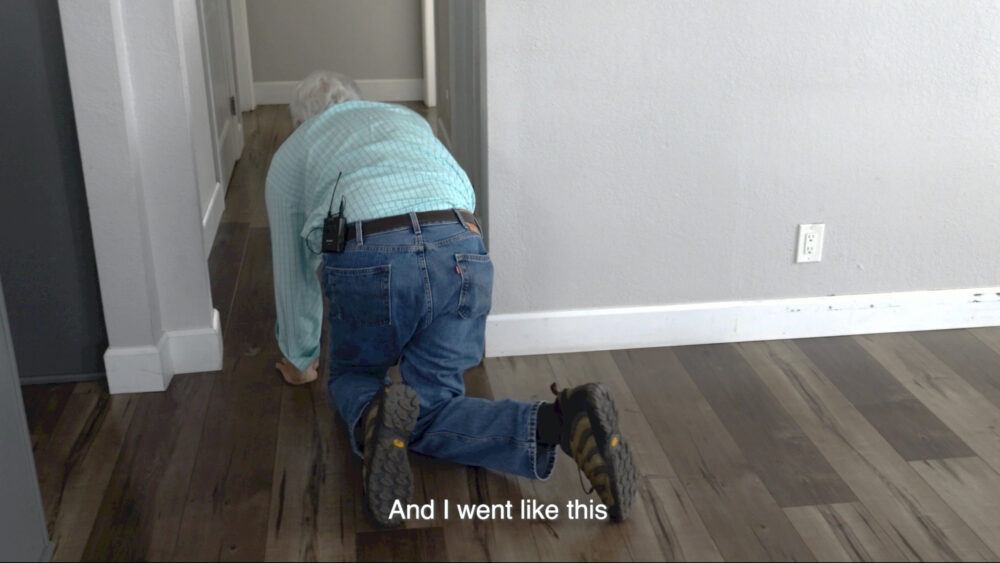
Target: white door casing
{"points": [[220, 66], [241, 53], [136, 76]]}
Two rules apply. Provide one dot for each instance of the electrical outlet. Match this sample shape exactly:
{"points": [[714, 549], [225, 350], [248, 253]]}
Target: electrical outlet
{"points": [[810, 248]]}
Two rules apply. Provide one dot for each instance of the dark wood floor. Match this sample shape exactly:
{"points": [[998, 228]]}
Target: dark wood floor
{"points": [[883, 447]]}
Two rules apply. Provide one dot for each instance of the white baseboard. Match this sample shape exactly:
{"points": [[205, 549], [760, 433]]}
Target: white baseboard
{"points": [[192, 351], [135, 369], [390, 90], [143, 369], [738, 321], [210, 222]]}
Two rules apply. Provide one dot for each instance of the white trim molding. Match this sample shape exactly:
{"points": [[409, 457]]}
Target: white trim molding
{"points": [[430, 56], [388, 90], [213, 216], [194, 350], [583, 330], [135, 369], [144, 369], [241, 52], [136, 75]]}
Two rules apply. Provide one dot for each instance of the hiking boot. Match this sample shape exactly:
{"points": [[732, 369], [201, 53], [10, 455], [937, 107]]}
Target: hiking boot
{"points": [[590, 435], [388, 422]]}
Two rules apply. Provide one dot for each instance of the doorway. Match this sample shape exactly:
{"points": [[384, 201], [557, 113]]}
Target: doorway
{"points": [[418, 52]]}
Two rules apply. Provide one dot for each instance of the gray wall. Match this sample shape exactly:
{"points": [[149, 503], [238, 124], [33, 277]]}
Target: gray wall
{"points": [[649, 152], [47, 254], [23, 534], [365, 39]]}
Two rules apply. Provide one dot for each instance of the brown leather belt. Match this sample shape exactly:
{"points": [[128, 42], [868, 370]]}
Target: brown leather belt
{"points": [[375, 226]]}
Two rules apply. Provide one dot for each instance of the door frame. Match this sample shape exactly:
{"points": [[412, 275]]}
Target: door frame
{"points": [[136, 73], [241, 53], [227, 145]]}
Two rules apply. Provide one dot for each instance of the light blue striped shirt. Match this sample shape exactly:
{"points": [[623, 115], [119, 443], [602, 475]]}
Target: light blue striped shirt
{"points": [[392, 164]]}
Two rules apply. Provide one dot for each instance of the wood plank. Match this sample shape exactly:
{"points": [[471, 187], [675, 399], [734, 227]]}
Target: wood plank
{"points": [[641, 534], [497, 540], [224, 264], [989, 335], [528, 379], [53, 458], [843, 532], [679, 528], [946, 394], [227, 508], [744, 519], [776, 448], [972, 488], [75, 469], [315, 501], [972, 354], [43, 406], [901, 419], [245, 192], [140, 513], [919, 523], [308, 518], [249, 125], [424, 544]]}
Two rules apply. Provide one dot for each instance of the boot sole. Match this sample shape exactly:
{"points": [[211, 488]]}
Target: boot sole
{"points": [[387, 469], [617, 457]]}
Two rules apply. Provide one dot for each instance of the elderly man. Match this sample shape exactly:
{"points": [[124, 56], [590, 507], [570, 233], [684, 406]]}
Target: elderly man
{"points": [[366, 190]]}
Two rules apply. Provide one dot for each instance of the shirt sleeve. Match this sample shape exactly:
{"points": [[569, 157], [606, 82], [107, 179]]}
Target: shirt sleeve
{"points": [[297, 295]]}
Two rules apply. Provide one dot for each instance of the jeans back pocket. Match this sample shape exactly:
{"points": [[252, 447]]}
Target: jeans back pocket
{"points": [[476, 297], [360, 296]]}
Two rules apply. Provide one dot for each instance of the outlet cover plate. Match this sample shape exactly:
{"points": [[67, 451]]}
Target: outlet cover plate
{"points": [[810, 247]]}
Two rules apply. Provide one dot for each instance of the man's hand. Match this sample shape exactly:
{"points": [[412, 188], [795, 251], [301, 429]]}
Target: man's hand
{"points": [[293, 376]]}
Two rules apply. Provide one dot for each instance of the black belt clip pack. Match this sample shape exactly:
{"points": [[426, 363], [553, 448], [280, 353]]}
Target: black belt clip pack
{"points": [[335, 226], [335, 232]]}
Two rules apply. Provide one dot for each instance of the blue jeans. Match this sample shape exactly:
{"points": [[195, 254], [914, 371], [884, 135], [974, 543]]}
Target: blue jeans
{"points": [[419, 296]]}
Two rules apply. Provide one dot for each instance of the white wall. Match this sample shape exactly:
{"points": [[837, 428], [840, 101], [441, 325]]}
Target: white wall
{"points": [[650, 153], [373, 41]]}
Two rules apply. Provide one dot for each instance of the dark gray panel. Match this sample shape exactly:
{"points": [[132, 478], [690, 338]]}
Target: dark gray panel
{"points": [[46, 249], [23, 536], [465, 109]]}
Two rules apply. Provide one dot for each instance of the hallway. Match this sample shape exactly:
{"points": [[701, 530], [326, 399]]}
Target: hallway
{"points": [[881, 447]]}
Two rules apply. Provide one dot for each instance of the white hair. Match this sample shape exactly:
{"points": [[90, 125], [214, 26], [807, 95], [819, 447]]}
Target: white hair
{"points": [[319, 91]]}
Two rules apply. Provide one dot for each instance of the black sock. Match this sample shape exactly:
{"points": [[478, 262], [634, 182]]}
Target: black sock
{"points": [[359, 430], [549, 424]]}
